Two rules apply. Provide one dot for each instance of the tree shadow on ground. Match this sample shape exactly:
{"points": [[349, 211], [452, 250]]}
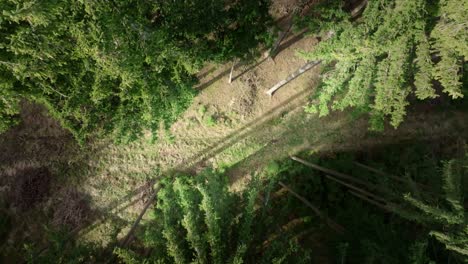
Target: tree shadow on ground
{"points": [[434, 125]]}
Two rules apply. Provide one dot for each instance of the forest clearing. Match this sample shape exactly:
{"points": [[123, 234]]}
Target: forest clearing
{"points": [[321, 131]]}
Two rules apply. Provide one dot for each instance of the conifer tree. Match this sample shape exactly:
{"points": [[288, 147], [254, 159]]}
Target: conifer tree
{"points": [[449, 222], [202, 221], [397, 48]]}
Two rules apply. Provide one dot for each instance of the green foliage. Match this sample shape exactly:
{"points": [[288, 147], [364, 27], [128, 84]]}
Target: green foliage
{"points": [[129, 257], [61, 249], [209, 121], [117, 68], [396, 49], [450, 37], [202, 221], [370, 236], [450, 223]]}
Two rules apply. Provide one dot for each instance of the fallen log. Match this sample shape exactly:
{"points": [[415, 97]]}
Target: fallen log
{"points": [[329, 171], [309, 65]]}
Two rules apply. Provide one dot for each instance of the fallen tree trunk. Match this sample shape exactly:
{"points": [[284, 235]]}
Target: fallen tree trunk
{"points": [[396, 178], [329, 171], [337, 174], [272, 52], [381, 206], [232, 71], [357, 189], [309, 65], [358, 9], [301, 10]]}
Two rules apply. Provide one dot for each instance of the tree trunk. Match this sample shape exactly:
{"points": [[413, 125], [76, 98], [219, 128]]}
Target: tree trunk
{"points": [[381, 206], [358, 9], [232, 71], [399, 179], [357, 189], [275, 47], [309, 65], [329, 171], [343, 176]]}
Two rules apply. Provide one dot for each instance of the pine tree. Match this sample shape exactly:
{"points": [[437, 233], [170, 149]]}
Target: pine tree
{"points": [[449, 223], [202, 221], [389, 53]]}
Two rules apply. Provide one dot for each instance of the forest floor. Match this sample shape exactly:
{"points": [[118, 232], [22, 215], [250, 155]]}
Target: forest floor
{"points": [[228, 125]]}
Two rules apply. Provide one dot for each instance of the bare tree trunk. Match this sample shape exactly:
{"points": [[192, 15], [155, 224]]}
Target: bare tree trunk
{"points": [[358, 9], [309, 65], [232, 71], [342, 176], [330, 222], [399, 179], [331, 172], [381, 206], [350, 186]]}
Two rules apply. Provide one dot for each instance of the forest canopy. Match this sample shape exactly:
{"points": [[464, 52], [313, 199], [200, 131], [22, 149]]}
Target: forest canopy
{"points": [[117, 68], [397, 49]]}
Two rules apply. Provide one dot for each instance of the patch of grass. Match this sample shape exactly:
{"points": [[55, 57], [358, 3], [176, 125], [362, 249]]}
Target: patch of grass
{"points": [[169, 137], [210, 121], [202, 110], [237, 153]]}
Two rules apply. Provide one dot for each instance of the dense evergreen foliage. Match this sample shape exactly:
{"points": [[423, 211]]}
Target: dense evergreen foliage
{"points": [[396, 49], [449, 218], [419, 224], [117, 68], [199, 220]]}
